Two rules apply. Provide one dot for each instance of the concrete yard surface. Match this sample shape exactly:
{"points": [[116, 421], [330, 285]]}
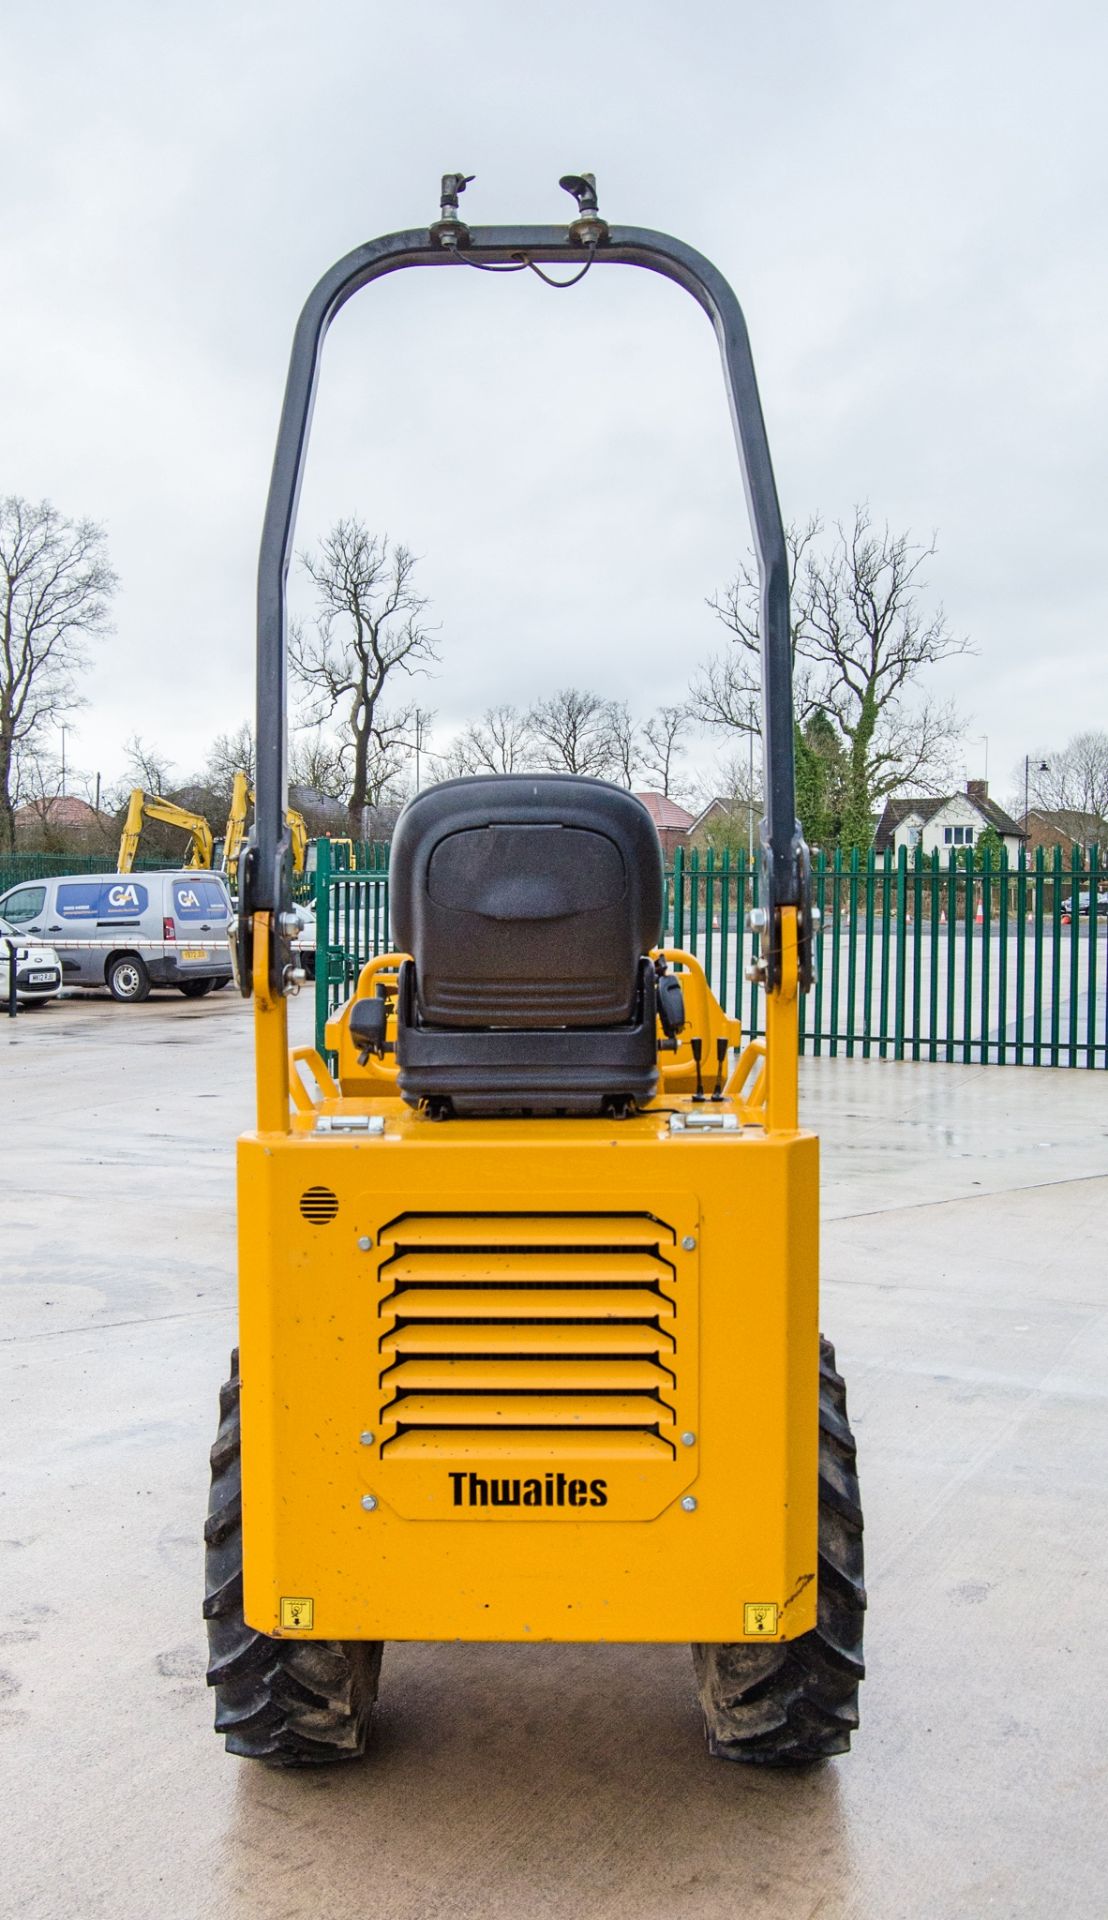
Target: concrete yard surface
{"points": [[964, 1254]]}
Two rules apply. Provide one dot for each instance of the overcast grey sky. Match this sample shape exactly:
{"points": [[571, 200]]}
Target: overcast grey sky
{"points": [[910, 202]]}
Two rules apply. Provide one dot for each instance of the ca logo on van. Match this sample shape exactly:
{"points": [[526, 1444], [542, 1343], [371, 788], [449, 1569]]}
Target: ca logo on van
{"points": [[188, 897], [123, 896]]}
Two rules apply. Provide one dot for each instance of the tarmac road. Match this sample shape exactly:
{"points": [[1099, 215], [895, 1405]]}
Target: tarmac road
{"points": [[966, 1219]]}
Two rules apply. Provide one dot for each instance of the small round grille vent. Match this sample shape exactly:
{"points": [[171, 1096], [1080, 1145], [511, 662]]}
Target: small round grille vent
{"points": [[319, 1205]]}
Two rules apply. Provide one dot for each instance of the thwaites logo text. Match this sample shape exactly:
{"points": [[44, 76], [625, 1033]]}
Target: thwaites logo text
{"points": [[549, 1490]]}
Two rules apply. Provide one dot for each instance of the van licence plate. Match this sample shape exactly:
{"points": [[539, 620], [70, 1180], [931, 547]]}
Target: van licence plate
{"points": [[193, 953]]}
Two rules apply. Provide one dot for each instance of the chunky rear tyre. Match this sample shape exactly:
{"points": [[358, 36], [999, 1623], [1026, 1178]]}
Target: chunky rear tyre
{"points": [[291, 1703], [195, 989], [789, 1702]]}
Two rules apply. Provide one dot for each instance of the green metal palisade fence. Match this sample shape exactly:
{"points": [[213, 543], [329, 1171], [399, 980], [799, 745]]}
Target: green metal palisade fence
{"points": [[917, 958], [15, 867], [352, 921]]}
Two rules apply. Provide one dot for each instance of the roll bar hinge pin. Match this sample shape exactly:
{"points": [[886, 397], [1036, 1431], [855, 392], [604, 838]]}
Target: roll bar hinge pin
{"points": [[588, 229], [450, 229]]}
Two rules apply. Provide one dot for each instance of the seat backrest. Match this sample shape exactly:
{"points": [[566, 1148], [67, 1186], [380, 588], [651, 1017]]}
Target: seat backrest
{"points": [[525, 900]]}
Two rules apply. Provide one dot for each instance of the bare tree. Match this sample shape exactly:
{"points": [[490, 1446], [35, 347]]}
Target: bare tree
{"points": [[727, 690], [49, 827], [322, 762], [663, 734], [147, 766], [502, 741], [572, 732], [1072, 780], [862, 641], [368, 625], [56, 587], [315, 761], [624, 743], [733, 792], [229, 753], [869, 641], [391, 744], [36, 786]]}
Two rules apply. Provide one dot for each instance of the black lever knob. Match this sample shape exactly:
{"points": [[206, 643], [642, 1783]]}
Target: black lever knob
{"points": [[671, 1005], [368, 1027]]}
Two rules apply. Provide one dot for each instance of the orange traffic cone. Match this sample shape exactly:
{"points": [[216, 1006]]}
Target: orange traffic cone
{"points": [[979, 916]]}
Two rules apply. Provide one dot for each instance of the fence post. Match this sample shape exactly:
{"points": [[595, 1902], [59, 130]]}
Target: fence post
{"points": [[901, 944], [968, 891], [1077, 874], [934, 921], [836, 929], [867, 953], [1021, 949], [1055, 956], [986, 948], [1094, 937], [819, 895], [725, 929], [917, 949], [755, 948], [1004, 891], [322, 937], [709, 913], [852, 952]]}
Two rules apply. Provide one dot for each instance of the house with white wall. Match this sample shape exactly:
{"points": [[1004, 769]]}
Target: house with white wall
{"points": [[943, 825]]}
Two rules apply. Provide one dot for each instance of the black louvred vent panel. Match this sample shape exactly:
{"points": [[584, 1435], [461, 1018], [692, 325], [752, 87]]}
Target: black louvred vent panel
{"points": [[500, 1331], [319, 1205]]}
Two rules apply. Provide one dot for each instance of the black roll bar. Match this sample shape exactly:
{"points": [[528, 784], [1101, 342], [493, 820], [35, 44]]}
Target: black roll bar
{"points": [[265, 881]]}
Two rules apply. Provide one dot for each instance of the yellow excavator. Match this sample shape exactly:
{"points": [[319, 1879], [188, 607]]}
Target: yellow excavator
{"points": [[242, 797], [150, 806]]}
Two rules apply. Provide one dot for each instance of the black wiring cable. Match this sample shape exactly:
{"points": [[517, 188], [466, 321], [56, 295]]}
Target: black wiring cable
{"points": [[522, 261], [548, 282], [516, 265]]}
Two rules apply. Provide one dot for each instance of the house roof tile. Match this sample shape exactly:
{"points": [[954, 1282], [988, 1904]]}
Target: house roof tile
{"points": [[928, 805], [665, 812]]}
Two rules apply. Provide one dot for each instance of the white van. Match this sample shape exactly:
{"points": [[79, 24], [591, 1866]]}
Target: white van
{"points": [[129, 931], [38, 971]]}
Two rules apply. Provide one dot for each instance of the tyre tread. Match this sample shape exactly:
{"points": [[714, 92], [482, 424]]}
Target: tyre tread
{"points": [[288, 1703], [794, 1702]]}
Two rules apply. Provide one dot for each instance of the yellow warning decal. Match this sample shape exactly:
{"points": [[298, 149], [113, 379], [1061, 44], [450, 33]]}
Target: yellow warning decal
{"points": [[297, 1613], [760, 1616]]}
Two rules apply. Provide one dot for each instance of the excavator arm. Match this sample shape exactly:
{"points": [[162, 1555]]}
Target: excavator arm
{"points": [[242, 798], [132, 829], [235, 832], [143, 807], [298, 827]]}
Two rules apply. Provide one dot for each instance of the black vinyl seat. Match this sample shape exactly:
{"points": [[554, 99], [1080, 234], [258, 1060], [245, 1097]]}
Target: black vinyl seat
{"points": [[529, 903]]}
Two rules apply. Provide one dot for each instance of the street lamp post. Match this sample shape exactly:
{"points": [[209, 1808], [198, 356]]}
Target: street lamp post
{"points": [[417, 744], [422, 728], [1043, 767]]}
